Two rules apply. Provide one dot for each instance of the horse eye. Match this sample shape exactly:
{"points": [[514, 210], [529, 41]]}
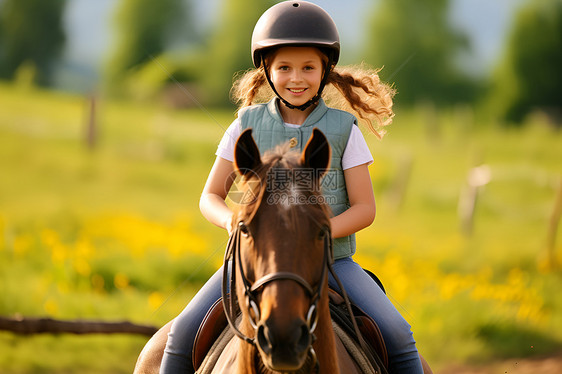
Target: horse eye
{"points": [[325, 230]]}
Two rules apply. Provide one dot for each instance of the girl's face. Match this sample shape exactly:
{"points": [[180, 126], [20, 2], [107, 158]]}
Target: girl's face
{"points": [[296, 73]]}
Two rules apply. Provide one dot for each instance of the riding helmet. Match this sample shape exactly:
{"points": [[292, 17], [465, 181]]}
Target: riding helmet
{"points": [[295, 23]]}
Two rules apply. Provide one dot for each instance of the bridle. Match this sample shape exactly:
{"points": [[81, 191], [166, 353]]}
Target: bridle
{"points": [[233, 256]]}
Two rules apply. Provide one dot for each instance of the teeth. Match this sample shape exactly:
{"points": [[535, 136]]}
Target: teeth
{"points": [[297, 90]]}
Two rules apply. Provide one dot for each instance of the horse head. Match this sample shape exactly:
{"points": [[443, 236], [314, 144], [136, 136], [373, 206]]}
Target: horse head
{"points": [[280, 248]]}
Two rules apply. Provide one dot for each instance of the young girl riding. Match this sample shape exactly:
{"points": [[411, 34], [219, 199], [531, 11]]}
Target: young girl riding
{"points": [[295, 48]]}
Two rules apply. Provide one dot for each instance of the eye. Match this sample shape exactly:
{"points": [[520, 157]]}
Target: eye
{"points": [[323, 233]]}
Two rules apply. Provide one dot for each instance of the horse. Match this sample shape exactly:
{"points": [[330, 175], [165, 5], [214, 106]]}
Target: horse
{"points": [[280, 255]]}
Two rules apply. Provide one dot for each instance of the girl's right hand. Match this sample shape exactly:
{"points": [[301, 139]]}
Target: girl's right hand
{"points": [[230, 225]]}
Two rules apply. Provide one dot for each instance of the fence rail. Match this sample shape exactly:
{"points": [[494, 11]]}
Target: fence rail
{"points": [[28, 326]]}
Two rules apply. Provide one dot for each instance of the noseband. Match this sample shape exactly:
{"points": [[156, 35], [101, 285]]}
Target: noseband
{"points": [[233, 255]]}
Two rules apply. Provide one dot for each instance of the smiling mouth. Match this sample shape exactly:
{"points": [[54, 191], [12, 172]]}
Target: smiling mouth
{"points": [[297, 90]]}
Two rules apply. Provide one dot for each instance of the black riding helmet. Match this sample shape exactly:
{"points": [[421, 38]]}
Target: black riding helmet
{"points": [[296, 23]]}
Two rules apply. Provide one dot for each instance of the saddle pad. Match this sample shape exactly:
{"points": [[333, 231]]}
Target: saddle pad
{"points": [[354, 349]]}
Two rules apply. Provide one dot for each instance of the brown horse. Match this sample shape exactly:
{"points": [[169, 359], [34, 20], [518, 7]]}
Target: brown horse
{"points": [[280, 255]]}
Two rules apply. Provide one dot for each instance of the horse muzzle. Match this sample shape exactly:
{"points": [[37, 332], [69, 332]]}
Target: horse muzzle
{"points": [[283, 348]]}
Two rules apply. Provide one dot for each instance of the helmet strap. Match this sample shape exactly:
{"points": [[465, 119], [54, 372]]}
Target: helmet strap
{"points": [[327, 69]]}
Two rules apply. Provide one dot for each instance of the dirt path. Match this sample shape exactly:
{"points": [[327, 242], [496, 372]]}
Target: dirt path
{"points": [[538, 365]]}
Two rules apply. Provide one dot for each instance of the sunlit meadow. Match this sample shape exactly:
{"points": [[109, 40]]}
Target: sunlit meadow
{"points": [[113, 232]]}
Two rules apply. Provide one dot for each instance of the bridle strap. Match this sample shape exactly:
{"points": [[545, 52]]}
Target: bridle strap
{"points": [[282, 275]]}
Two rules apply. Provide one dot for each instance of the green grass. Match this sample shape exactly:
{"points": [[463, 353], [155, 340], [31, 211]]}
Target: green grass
{"points": [[115, 232], [69, 354]]}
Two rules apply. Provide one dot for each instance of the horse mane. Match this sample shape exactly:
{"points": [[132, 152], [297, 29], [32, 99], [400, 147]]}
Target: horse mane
{"points": [[282, 161]]}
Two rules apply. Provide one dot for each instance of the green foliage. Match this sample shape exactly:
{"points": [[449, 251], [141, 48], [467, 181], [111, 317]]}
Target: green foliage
{"points": [[229, 47], [85, 354], [31, 32], [417, 47], [145, 29], [507, 340], [149, 81], [529, 75]]}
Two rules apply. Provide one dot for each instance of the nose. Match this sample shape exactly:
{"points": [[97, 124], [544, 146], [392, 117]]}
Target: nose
{"points": [[296, 75], [285, 348]]}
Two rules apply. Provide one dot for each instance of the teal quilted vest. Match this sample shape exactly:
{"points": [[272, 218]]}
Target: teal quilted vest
{"points": [[269, 131]]}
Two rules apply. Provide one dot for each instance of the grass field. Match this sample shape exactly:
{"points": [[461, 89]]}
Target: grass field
{"points": [[115, 233]]}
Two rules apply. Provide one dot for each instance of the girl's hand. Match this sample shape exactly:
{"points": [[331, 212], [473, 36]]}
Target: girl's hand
{"points": [[230, 225]]}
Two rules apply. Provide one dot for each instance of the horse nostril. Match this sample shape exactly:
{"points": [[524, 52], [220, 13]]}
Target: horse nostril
{"points": [[305, 338], [265, 340]]}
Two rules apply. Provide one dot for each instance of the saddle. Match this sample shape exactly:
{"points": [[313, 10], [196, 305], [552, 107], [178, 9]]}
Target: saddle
{"points": [[215, 322]]}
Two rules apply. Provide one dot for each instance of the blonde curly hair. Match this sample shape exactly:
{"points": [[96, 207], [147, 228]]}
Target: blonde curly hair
{"points": [[356, 89]]}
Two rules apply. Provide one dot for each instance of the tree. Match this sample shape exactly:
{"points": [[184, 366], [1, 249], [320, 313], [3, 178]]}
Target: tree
{"points": [[529, 76], [229, 47], [417, 48], [146, 28], [30, 32]]}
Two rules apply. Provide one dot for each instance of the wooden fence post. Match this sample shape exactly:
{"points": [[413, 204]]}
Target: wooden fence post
{"points": [[477, 177], [91, 125]]}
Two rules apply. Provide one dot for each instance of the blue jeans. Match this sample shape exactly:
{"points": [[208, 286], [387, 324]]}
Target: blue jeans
{"points": [[362, 291], [179, 347]]}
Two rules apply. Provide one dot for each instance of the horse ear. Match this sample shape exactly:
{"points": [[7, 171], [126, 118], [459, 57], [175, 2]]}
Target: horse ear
{"points": [[317, 153], [246, 153]]}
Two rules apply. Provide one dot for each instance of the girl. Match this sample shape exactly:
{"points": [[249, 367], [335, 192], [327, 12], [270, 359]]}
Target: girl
{"points": [[295, 47]]}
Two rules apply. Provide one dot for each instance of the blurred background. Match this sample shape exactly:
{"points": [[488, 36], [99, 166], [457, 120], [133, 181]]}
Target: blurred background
{"points": [[110, 114]]}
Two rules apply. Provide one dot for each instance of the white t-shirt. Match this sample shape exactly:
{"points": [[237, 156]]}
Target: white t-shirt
{"points": [[356, 151]]}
